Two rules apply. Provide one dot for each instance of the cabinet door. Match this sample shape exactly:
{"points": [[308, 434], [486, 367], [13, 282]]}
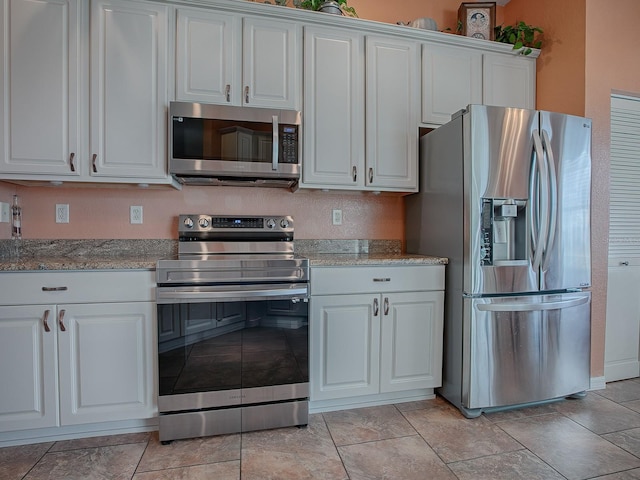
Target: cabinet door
{"points": [[334, 108], [106, 362], [40, 90], [451, 80], [271, 63], [392, 105], [128, 88], [411, 341], [208, 66], [28, 398], [345, 349], [622, 351], [508, 81]]}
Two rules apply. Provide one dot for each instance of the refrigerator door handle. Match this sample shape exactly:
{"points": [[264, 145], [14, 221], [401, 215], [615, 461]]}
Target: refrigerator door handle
{"points": [[540, 199], [553, 198], [531, 307]]}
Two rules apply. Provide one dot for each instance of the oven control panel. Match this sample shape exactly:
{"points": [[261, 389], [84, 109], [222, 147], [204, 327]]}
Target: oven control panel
{"points": [[240, 223]]}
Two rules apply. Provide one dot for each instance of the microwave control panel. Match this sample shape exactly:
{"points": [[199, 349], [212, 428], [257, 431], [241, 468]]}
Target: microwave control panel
{"points": [[289, 144]]}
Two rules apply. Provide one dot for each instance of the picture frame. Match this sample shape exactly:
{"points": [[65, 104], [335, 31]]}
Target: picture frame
{"points": [[477, 19]]}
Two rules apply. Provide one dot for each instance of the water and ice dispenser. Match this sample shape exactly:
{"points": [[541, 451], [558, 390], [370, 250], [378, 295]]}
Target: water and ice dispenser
{"points": [[504, 232]]}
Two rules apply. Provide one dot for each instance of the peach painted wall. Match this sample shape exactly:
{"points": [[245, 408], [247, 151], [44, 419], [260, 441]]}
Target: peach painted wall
{"points": [[444, 12], [612, 64], [561, 65], [104, 212]]}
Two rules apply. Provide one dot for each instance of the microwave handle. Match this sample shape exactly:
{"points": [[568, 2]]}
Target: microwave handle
{"points": [[274, 160]]}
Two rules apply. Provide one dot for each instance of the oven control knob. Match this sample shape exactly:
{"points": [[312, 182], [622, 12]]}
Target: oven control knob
{"points": [[188, 222], [271, 224], [284, 223], [203, 222]]}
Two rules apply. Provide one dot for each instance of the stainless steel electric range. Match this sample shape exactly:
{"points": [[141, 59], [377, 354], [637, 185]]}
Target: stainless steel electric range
{"points": [[233, 341]]}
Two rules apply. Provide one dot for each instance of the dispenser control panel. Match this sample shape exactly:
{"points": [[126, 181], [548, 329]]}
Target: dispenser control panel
{"points": [[486, 245]]}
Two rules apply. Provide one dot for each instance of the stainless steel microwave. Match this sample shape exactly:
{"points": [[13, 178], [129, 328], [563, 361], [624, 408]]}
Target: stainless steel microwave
{"points": [[226, 145]]}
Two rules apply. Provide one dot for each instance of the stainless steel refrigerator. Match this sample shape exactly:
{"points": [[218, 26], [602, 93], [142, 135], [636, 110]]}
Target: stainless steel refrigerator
{"points": [[505, 195]]}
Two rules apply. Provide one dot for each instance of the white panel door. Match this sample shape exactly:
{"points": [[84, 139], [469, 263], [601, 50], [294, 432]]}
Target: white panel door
{"points": [[106, 355], [392, 112], [508, 81], [129, 51], [208, 49], [622, 350], [334, 108], [345, 346], [411, 341], [451, 80], [41, 123], [271, 63], [28, 367]]}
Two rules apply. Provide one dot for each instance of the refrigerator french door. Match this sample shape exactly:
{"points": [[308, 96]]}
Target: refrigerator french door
{"points": [[505, 195]]}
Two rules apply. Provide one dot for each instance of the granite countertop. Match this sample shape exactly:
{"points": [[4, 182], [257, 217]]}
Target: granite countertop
{"points": [[44, 255], [345, 259]]}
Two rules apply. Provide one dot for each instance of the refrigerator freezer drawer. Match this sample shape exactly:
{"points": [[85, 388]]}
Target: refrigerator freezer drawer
{"points": [[526, 349]]}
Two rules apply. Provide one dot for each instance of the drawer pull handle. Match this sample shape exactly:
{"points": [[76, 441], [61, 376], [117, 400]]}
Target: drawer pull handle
{"points": [[54, 289], [93, 163], [354, 173], [227, 92], [72, 164], [386, 306], [45, 317], [376, 308], [60, 320], [246, 94], [382, 279]]}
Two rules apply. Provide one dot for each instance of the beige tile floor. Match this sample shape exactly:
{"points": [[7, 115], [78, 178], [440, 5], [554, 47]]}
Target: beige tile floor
{"points": [[595, 437]]}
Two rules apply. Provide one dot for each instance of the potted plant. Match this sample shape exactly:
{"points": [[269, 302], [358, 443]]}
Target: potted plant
{"points": [[338, 7], [523, 37]]}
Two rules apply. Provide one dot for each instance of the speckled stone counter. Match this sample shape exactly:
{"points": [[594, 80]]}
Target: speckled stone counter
{"points": [[143, 254], [84, 254]]}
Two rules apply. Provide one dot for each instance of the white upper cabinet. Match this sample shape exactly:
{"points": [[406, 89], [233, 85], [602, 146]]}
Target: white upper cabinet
{"points": [[451, 80], [508, 81], [41, 123], [208, 66], [361, 111], [129, 47], [392, 112], [334, 108], [454, 77], [228, 59], [58, 52]]}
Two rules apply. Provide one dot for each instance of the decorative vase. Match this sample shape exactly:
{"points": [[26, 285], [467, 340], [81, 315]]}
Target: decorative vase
{"points": [[330, 6]]}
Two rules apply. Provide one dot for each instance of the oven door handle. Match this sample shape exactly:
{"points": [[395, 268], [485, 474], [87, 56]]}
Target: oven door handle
{"points": [[216, 293]]}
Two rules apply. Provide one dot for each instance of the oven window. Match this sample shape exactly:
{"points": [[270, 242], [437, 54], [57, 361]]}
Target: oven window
{"points": [[208, 139], [229, 345]]}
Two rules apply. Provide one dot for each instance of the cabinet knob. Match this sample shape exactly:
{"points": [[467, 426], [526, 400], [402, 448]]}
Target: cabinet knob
{"points": [[376, 307]]}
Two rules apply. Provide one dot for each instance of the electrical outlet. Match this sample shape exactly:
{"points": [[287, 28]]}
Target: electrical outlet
{"points": [[62, 213], [5, 212], [135, 214], [336, 217]]}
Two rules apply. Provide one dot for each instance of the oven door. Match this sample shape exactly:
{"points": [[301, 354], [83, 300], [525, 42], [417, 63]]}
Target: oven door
{"points": [[222, 346]]}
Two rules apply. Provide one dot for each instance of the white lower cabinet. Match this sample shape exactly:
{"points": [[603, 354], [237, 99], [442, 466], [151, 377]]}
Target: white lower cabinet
{"points": [[387, 341], [72, 363]]}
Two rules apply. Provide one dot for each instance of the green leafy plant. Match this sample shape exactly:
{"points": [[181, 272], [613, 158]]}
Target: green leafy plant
{"points": [[523, 37], [316, 4]]}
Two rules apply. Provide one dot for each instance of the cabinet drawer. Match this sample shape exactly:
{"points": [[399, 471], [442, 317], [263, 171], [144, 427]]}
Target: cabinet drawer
{"points": [[376, 279], [26, 288]]}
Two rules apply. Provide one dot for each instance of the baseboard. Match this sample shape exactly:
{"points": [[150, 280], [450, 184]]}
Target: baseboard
{"points": [[598, 383], [54, 434]]}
